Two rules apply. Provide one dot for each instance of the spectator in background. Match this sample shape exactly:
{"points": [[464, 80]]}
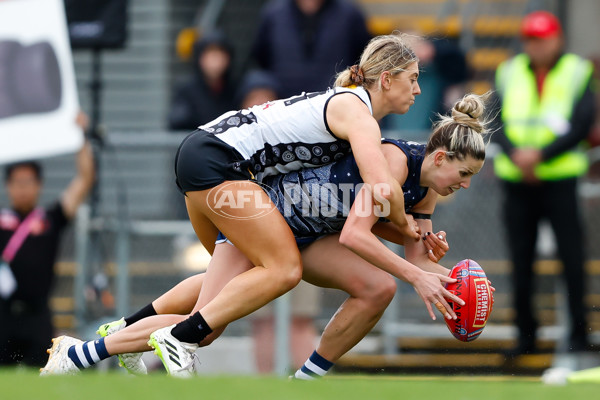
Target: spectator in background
{"points": [[547, 109], [25, 317], [444, 72], [209, 92], [259, 87], [304, 43]]}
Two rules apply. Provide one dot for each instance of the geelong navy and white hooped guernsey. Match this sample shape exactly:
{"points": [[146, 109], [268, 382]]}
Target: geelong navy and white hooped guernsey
{"points": [[301, 195], [285, 135]]}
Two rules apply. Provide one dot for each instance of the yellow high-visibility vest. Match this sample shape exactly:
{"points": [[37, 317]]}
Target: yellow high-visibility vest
{"points": [[531, 121]]}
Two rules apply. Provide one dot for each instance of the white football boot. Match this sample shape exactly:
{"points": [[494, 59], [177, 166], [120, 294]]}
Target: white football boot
{"points": [[132, 362], [59, 362], [178, 357]]}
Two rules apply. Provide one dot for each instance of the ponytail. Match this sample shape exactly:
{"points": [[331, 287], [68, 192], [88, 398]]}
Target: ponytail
{"points": [[383, 53]]}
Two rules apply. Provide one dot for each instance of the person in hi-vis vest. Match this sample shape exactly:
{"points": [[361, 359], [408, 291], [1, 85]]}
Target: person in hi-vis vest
{"points": [[547, 110]]}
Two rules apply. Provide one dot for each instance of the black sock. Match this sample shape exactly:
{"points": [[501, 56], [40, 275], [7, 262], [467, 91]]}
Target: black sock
{"points": [[192, 330], [147, 311]]}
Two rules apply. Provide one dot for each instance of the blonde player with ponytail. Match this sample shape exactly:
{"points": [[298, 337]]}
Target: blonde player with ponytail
{"points": [[223, 159], [342, 252]]}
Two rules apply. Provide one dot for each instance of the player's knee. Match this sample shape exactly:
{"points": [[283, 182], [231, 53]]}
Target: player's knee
{"points": [[378, 291], [292, 276], [387, 290], [284, 275]]}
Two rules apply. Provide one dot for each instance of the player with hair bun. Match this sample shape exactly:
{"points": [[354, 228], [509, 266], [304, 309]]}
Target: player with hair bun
{"points": [[224, 158], [339, 250]]}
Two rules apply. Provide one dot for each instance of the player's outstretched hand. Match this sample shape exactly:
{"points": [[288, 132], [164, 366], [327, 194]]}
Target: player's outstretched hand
{"points": [[431, 288], [436, 245]]}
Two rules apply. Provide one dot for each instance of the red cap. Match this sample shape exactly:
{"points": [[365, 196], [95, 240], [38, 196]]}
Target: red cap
{"points": [[540, 24]]}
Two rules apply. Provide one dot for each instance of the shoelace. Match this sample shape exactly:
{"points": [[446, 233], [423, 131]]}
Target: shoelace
{"points": [[196, 361], [131, 357], [115, 329], [132, 360], [193, 365]]}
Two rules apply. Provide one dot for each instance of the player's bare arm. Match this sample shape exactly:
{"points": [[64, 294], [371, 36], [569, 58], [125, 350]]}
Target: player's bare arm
{"points": [[349, 118], [357, 236]]}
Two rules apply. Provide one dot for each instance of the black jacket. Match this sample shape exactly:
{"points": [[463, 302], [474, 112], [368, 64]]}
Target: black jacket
{"points": [[194, 102], [304, 53]]}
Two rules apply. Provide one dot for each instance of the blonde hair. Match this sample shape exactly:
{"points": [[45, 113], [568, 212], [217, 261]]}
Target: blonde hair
{"points": [[462, 133], [383, 53]]}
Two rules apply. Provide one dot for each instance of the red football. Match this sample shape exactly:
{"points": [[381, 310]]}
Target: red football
{"points": [[473, 287]]}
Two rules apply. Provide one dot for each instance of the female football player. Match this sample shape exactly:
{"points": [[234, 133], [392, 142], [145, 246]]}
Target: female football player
{"points": [[217, 162], [353, 260]]}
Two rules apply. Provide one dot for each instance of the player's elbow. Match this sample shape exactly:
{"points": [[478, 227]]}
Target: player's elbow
{"points": [[384, 193], [350, 238]]}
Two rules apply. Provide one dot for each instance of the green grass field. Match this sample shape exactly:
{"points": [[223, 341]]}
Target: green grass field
{"points": [[27, 385]]}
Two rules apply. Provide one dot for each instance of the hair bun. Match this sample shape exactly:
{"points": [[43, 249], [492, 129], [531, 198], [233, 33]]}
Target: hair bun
{"points": [[468, 110], [357, 75]]}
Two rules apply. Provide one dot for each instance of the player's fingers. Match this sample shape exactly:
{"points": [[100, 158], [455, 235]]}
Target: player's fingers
{"points": [[453, 297], [440, 307], [432, 249], [432, 256], [443, 245], [427, 243], [447, 294], [435, 252], [416, 228], [441, 235], [446, 279], [445, 308], [416, 233], [439, 241], [438, 246], [429, 309], [439, 253]]}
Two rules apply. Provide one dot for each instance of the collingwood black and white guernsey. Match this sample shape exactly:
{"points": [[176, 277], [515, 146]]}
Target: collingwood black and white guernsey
{"points": [[317, 201], [285, 135]]}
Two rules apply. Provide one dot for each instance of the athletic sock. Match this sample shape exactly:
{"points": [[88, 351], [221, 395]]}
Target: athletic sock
{"points": [[315, 367], [86, 354], [147, 311], [192, 330]]}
